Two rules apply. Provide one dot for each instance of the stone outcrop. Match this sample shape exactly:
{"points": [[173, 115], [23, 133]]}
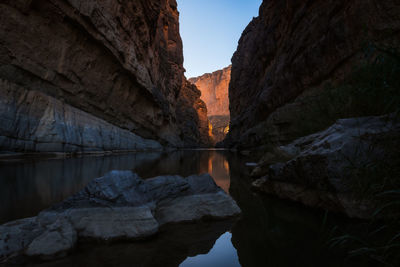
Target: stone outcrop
{"points": [[294, 46], [118, 206], [33, 121], [193, 121], [330, 168], [117, 64], [220, 127], [214, 92]]}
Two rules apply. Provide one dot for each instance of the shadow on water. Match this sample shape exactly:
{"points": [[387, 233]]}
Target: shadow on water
{"points": [[270, 232]]}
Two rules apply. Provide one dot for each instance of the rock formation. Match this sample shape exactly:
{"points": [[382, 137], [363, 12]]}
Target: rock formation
{"points": [[294, 46], [326, 169], [301, 67], [220, 127], [118, 65], [118, 206], [214, 92], [193, 121]]}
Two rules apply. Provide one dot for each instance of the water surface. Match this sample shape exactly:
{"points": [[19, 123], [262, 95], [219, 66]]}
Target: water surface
{"points": [[271, 232]]}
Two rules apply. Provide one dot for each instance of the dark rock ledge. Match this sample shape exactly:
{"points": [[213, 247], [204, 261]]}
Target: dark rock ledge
{"points": [[118, 206], [333, 169]]}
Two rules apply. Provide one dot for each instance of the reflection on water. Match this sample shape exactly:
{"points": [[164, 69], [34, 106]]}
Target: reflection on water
{"points": [[29, 187], [169, 249], [270, 232], [222, 254]]}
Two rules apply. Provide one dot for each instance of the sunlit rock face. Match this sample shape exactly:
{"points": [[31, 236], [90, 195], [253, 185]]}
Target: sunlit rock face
{"points": [[214, 92], [120, 62], [192, 117], [294, 46]]}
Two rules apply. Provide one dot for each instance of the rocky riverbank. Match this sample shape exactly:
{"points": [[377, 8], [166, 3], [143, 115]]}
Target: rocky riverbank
{"points": [[332, 169], [317, 92]]}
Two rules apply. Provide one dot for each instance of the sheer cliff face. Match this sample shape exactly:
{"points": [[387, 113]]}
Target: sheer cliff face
{"points": [[118, 62], [297, 45], [214, 90], [194, 121]]}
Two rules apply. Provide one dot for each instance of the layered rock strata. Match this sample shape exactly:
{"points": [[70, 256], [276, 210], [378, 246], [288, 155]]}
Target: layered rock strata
{"points": [[294, 46], [119, 205], [114, 63]]}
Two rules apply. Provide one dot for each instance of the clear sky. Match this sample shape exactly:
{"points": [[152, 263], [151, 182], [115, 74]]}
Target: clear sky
{"points": [[210, 31]]}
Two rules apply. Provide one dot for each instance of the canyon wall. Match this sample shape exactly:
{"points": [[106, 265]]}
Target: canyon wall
{"points": [[93, 75], [214, 92], [293, 48], [315, 90]]}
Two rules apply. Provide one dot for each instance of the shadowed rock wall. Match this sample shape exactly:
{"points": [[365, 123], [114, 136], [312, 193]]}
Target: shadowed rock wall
{"points": [[294, 46], [120, 62]]}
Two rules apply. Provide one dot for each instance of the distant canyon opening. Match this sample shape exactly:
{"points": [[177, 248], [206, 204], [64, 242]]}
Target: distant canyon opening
{"points": [[214, 88]]}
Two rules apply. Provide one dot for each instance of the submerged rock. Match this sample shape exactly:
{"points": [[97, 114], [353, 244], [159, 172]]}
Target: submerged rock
{"points": [[327, 169], [118, 206]]}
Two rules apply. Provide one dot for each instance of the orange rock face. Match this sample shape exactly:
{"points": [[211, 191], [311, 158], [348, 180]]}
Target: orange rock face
{"points": [[214, 90]]}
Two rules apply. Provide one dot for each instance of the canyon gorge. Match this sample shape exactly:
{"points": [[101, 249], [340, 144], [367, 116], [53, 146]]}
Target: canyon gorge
{"points": [[306, 119], [214, 92]]}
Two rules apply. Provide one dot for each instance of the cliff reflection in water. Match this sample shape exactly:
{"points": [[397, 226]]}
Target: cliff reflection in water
{"points": [[30, 186]]}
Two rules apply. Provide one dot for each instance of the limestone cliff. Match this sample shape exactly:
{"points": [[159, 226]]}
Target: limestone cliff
{"points": [[116, 65], [214, 92], [294, 47]]}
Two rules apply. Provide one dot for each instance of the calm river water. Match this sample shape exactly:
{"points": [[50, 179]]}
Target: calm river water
{"points": [[271, 232]]}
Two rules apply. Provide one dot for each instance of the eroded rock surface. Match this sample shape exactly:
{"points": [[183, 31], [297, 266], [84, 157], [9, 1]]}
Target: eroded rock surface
{"points": [[214, 92], [193, 121], [294, 46], [327, 169], [117, 64], [220, 127], [119, 205]]}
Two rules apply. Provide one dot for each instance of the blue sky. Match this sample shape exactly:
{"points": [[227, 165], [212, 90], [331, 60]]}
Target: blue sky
{"points": [[210, 31]]}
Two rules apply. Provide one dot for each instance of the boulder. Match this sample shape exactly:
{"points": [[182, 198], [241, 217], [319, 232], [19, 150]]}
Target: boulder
{"points": [[117, 206], [327, 169]]}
